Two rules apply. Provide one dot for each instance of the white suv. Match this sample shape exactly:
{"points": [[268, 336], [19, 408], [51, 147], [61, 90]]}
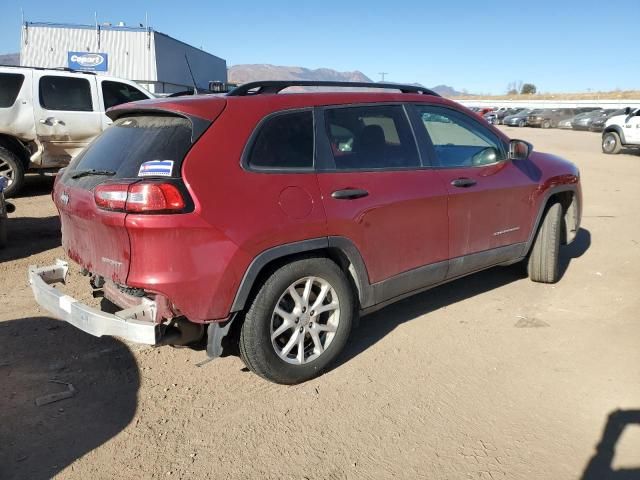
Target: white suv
{"points": [[622, 131], [48, 115]]}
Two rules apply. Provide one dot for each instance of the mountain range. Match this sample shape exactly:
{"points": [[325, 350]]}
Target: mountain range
{"points": [[10, 59], [254, 72], [262, 71]]}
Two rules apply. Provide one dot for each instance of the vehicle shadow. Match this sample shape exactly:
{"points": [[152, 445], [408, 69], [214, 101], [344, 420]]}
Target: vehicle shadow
{"points": [[575, 249], [35, 185], [38, 442], [30, 235], [378, 324], [600, 467]]}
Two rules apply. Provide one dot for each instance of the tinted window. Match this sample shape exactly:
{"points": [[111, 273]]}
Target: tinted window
{"points": [[284, 141], [459, 141], [130, 142], [65, 93], [115, 93], [10, 84], [371, 138]]}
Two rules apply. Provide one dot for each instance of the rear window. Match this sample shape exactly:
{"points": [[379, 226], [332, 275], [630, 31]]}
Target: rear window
{"points": [[10, 85], [285, 141], [131, 142]]}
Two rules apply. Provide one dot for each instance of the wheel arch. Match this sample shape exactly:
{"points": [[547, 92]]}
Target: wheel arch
{"points": [[617, 129], [569, 198], [339, 249], [17, 147]]}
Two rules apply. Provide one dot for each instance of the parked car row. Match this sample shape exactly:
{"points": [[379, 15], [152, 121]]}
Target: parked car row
{"points": [[620, 127], [584, 118]]}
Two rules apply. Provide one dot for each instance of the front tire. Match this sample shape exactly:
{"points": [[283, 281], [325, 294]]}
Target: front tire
{"points": [[299, 321], [542, 265], [546, 124], [611, 143]]}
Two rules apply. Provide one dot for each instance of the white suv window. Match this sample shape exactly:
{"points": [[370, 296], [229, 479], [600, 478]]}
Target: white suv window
{"points": [[115, 93], [10, 84], [70, 94]]}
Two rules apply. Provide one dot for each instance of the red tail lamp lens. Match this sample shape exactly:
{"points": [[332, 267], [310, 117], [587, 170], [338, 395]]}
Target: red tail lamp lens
{"points": [[154, 197], [139, 197]]}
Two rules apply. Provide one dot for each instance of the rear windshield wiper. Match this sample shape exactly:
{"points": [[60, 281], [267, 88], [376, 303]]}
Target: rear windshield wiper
{"points": [[86, 173]]}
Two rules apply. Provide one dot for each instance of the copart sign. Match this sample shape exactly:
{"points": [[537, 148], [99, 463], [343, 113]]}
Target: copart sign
{"points": [[95, 62]]}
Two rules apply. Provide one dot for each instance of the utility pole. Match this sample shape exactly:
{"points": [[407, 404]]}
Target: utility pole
{"points": [[382, 74]]}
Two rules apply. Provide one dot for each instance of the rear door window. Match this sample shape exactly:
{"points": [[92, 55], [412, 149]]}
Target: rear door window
{"points": [[69, 94], [131, 141], [284, 142], [10, 85], [116, 93], [371, 138]]}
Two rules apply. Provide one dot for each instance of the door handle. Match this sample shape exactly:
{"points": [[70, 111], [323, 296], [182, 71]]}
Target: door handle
{"points": [[349, 194], [463, 182], [51, 121]]}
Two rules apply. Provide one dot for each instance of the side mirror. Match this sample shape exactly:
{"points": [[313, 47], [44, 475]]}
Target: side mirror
{"points": [[519, 150], [627, 110], [486, 156]]}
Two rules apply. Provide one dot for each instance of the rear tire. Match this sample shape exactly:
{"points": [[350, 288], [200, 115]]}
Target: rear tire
{"points": [[277, 356], [542, 265], [11, 166], [611, 143], [522, 123]]}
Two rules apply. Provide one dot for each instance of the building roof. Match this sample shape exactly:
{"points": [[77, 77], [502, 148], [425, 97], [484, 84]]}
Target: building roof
{"points": [[73, 26]]}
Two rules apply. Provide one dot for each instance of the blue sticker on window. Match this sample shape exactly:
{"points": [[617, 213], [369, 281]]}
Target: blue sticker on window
{"points": [[156, 168]]}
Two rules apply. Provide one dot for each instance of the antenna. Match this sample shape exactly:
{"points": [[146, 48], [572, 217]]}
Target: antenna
{"points": [[382, 74], [195, 87]]}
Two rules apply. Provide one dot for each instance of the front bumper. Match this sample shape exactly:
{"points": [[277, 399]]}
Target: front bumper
{"points": [[136, 324]]}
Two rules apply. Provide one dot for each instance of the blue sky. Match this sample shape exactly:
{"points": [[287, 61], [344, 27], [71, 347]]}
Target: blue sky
{"points": [[480, 46]]}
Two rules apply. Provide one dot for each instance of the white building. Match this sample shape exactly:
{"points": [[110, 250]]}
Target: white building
{"points": [[153, 59]]}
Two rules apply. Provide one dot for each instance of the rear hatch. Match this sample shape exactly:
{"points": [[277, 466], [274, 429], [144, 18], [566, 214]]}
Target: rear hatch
{"points": [[140, 148]]}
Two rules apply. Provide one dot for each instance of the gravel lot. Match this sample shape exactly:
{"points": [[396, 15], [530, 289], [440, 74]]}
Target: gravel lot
{"points": [[489, 377]]}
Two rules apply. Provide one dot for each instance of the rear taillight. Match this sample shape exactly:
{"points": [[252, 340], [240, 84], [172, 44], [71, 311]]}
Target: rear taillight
{"points": [[139, 197], [112, 196], [154, 197]]}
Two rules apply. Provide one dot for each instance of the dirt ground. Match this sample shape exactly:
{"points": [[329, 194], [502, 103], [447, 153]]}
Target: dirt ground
{"points": [[489, 377]]}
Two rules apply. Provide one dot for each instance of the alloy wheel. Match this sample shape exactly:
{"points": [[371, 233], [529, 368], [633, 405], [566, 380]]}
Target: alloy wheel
{"points": [[6, 170], [608, 143], [305, 320]]}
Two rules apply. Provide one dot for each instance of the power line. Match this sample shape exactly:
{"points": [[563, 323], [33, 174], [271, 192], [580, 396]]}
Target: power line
{"points": [[382, 74]]}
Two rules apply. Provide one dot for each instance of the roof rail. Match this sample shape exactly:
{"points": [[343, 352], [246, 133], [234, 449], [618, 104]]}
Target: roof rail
{"points": [[275, 86]]}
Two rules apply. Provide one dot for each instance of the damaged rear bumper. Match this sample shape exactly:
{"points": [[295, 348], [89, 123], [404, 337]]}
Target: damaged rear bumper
{"points": [[136, 324]]}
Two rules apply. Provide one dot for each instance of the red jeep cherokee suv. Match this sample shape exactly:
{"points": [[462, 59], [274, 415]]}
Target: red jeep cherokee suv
{"points": [[287, 215]]}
